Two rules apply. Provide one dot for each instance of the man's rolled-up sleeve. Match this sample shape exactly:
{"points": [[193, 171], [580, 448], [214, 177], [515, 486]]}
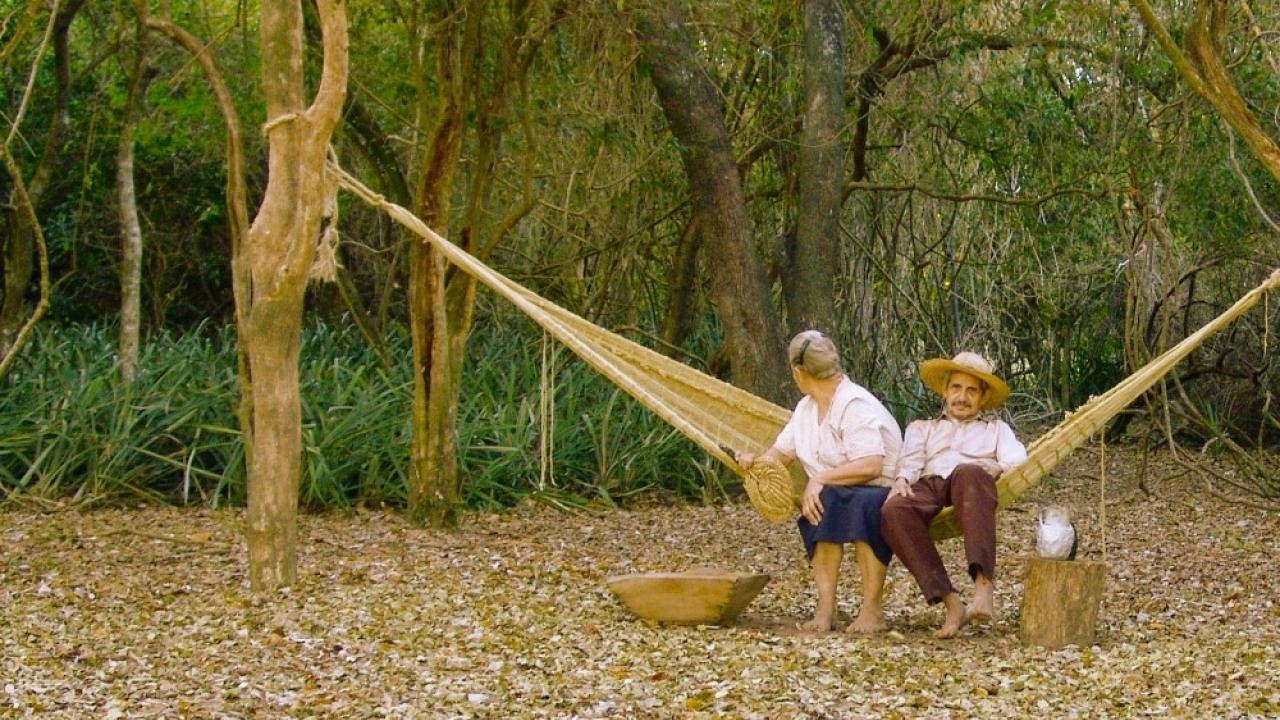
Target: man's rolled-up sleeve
{"points": [[1009, 450]]}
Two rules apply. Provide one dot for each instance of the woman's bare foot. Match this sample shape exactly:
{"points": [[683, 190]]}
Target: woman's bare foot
{"points": [[984, 604], [870, 621], [955, 619], [818, 625]]}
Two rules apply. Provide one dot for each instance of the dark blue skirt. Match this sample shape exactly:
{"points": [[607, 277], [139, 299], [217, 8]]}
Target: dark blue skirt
{"points": [[850, 513]]}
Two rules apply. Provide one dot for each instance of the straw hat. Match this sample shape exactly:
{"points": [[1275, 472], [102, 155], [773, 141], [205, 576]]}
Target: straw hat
{"points": [[934, 373], [771, 490]]}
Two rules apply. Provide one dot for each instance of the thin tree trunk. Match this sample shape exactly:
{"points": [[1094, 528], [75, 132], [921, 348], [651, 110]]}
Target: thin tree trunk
{"points": [[434, 490], [752, 337], [441, 298], [237, 211], [24, 211], [677, 321], [18, 247], [821, 169], [130, 230]]}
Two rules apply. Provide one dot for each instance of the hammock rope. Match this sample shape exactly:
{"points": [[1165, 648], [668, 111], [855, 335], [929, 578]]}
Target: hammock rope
{"points": [[718, 416], [711, 412]]}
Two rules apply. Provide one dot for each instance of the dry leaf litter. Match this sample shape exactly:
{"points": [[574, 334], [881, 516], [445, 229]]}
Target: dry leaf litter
{"points": [[146, 613]]}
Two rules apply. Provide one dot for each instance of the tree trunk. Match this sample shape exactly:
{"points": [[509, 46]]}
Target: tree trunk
{"points": [[19, 245], [678, 318], [237, 206], [442, 299], [821, 169], [23, 211], [272, 341], [752, 337], [130, 230], [279, 250], [16, 256], [434, 489]]}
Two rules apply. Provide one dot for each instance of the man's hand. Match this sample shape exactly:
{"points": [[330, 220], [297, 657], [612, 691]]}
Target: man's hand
{"points": [[990, 466], [810, 503], [745, 459], [901, 487]]}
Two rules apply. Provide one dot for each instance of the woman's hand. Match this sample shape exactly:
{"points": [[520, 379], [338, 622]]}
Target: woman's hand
{"points": [[745, 459], [810, 502]]}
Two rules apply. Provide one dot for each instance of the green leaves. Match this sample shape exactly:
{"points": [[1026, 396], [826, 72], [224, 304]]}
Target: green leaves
{"points": [[69, 429]]}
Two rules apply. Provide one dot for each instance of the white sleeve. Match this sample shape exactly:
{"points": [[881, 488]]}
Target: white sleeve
{"points": [[786, 440], [860, 431], [911, 457], [1009, 450]]}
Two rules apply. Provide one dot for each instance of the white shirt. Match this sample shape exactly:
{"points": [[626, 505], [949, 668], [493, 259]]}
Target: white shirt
{"points": [[937, 446], [857, 425]]}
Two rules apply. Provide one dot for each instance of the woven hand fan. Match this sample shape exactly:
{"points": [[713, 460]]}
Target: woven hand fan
{"points": [[771, 490]]}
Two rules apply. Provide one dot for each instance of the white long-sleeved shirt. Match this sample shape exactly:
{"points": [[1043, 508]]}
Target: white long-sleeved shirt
{"points": [[937, 446]]}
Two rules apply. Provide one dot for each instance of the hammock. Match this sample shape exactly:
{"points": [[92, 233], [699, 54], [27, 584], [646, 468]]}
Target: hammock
{"points": [[718, 416]]}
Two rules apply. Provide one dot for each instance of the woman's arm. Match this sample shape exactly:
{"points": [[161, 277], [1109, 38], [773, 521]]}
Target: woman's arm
{"points": [[854, 472], [747, 459]]}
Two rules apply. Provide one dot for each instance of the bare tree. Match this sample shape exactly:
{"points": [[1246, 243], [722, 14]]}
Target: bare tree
{"points": [[130, 230], [271, 259]]}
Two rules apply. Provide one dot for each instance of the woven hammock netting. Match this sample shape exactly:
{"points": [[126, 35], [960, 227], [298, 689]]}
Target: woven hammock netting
{"points": [[717, 415]]}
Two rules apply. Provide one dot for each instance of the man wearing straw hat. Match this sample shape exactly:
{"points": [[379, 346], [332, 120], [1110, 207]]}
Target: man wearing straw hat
{"points": [[953, 460]]}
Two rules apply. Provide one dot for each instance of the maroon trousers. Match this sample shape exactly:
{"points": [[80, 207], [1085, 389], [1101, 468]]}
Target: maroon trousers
{"points": [[905, 524]]}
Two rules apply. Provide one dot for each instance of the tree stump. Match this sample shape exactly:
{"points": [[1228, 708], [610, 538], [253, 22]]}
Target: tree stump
{"points": [[1060, 601]]}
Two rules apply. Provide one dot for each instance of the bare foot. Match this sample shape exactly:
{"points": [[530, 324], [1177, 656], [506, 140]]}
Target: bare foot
{"points": [[983, 606], [955, 619], [869, 621], [817, 626]]}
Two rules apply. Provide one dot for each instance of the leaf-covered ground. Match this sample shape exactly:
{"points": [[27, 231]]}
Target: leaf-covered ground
{"points": [[146, 613]]}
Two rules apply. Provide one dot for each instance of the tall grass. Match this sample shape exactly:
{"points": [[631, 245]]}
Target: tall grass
{"points": [[608, 449], [71, 431], [69, 428]]}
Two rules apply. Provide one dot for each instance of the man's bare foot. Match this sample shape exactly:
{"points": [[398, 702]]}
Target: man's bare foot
{"points": [[955, 619], [869, 621], [817, 626], [984, 604]]}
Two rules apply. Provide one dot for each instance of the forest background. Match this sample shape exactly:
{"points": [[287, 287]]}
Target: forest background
{"points": [[1037, 181]]}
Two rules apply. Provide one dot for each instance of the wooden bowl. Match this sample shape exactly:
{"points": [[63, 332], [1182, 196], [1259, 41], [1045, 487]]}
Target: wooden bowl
{"points": [[698, 597]]}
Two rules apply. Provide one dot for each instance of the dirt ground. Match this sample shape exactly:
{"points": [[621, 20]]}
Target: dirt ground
{"points": [[146, 613]]}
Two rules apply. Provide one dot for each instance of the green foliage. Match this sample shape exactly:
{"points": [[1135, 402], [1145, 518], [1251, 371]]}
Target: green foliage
{"points": [[71, 430], [1019, 162], [606, 448]]}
